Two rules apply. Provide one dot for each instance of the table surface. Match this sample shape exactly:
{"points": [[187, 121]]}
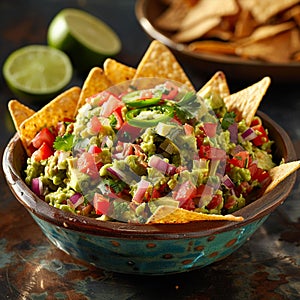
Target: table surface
{"points": [[267, 266]]}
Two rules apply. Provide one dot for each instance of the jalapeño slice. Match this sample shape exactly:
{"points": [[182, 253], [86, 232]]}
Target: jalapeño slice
{"points": [[142, 98], [144, 118]]}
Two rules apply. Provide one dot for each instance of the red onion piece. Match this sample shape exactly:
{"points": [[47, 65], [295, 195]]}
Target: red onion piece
{"points": [[227, 182], [158, 163], [249, 134], [116, 172], [233, 129], [37, 186], [76, 200]]}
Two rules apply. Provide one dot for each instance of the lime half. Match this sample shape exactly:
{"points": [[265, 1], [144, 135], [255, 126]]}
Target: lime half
{"points": [[86, 39], [37, 72]]}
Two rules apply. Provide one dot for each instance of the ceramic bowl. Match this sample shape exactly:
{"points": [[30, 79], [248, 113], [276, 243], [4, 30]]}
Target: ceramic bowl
{"points": [[235, 68], [147, 249]]}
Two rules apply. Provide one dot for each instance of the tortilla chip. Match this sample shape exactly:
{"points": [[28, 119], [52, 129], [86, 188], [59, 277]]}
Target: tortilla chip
{"points": [[296, 56], [206, 9], [60, 108], [19, 112], [292, 13], [172, 17], [267, 31], [159, 61], [116, 72], [264, 10], [197, 31], [215, 47], [95, 83], [246, 102], [279, 49], [279, 173], [216, 84], [170, 214], [245, 25]]}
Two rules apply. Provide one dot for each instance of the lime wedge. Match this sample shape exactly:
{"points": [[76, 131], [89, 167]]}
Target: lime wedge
{"points": [[37, 72], [86, 39]]}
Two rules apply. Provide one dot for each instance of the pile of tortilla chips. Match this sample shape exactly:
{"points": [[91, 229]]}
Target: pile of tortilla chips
{"points": [[266, 30], [158, 61]]}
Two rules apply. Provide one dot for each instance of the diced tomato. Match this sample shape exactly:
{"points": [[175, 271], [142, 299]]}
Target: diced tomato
{"points": [[240, 159], [128, 133], [204, 190], [118, 115], [230, 202], [256, 121], [95, 124], [215, 201], [43, 136], [206, 151], [210, 129], [258, 173], [142, 188], [188, 129], [262, 136], [185, 194], [86, 164], [173, 90], [243, 189], [94, 149], [43, 152], [253, 169], [101, 204], [199, 140], [110, 105], [101, 97]]}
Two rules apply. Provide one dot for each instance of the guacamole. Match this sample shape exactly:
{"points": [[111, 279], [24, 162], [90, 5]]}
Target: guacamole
{"points": [[128, 153]]}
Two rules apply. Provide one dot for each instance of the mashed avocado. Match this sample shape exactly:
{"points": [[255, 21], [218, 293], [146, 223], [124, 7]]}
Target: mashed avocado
{"points": [[120, 160]]}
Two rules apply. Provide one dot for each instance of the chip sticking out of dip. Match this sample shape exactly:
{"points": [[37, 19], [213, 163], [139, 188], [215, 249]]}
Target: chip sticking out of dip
{"points": [[159, 61], [117, 72], [245, 102], [169, 214], [62, 107], [158, 154], [95, 82], [217, 84], [19, 112]]}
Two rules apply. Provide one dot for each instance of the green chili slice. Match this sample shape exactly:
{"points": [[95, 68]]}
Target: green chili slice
{"points": [[144, 118], [142, 98]]}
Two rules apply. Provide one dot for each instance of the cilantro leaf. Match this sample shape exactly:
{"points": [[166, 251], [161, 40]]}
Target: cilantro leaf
{"points": [[228, 119], [64, 142], [116, 185]]}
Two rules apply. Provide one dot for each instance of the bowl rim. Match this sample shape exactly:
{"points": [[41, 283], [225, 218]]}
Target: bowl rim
{"points": [[154, 33], [254, 211]]}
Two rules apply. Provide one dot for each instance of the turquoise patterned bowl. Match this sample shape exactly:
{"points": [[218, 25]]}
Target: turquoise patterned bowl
{"points": [[147, 249]]}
